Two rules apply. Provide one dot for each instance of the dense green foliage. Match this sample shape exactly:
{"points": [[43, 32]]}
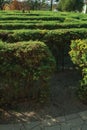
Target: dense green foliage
{"points": [[25, 69], [57, 40], [70, 5], [46, 25], [78, 55], [55, 29], [2, 2]]}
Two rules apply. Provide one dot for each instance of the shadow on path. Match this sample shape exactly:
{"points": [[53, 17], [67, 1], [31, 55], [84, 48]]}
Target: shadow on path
{"points": [[63, 101]]}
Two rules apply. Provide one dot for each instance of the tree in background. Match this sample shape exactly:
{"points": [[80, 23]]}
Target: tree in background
{"points": [[41, 4], [70, 5], [15, 5], [2, 2], [34, 4], [44, 5], [51, 5]]}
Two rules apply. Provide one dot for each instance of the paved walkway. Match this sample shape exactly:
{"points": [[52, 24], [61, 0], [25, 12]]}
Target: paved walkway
{"points": [[76, 121]]}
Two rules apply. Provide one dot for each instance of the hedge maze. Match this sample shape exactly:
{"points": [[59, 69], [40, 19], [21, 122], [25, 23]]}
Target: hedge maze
{"points": [[32, 46]]}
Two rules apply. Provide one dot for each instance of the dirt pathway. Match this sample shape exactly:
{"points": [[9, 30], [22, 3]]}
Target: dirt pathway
{"points": [[63, 101]]}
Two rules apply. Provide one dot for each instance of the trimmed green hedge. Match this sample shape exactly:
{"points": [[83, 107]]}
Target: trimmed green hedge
{"points": [[57, 40], [27, 21], [46, 25], [25, 69], [54, 36], [60, 18], [78, 55]]}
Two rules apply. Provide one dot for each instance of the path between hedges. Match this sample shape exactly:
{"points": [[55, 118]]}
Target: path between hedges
{"points": [[63, 112], [76, 121]]}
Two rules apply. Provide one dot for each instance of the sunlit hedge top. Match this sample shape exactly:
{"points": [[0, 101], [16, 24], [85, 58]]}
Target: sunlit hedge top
{"points": [[78, 52], [24, 65]]}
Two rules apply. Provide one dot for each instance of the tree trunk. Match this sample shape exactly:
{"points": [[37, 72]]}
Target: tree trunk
{"points": [[51, 5]]}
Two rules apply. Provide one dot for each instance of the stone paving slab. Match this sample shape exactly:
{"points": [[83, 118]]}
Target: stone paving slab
{"points": [[83, 115], [16, 127], [65, 126], [70, 122], [10, 127], [77, 128], [33, 126], [72, 116], [22, 126], [84, 127], [53, 121], [57, 127], [85, 122], [50, 122], [6, 127], [60, 119], [75, 122]]}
